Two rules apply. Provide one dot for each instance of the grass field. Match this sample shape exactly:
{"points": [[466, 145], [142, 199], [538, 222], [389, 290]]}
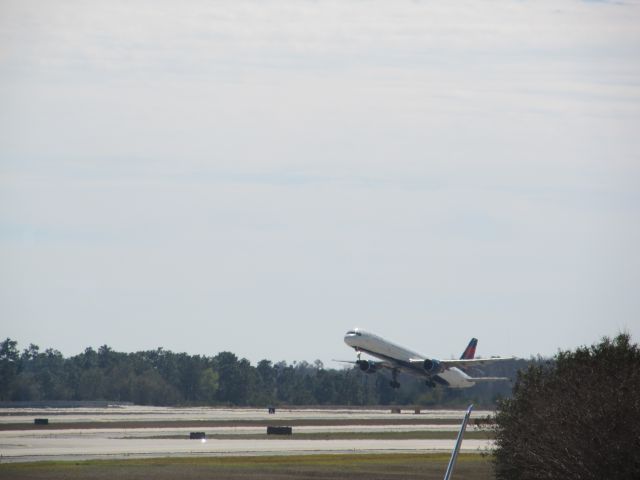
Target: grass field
{"points": [[316, 467]]}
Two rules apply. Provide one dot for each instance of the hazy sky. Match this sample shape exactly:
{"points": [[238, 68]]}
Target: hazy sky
{"points": [[260, 176]]}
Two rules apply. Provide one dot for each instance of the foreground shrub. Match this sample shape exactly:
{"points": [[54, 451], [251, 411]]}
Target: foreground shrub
{"points": [[576, 417]]}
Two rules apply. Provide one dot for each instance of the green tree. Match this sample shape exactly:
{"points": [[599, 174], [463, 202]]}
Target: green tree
{"points": [[247, 382], [230, 389], [208, 385], [50, 372], [149, 388], [90, 385], [189, 375], [266, 388], [577, 417], [9, 357], [325, 387]]}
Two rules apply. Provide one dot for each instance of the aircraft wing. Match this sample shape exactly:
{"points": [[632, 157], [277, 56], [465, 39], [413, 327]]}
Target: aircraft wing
{"points": [[369, 365], [474, 362]]}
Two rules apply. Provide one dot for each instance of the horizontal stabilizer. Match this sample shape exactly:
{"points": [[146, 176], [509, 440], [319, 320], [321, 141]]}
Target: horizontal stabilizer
{"points": [[489, 379], [474, 362]]}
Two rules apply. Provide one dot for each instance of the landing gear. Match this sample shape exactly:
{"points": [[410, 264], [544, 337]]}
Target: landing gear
{"points": [[430, 383], [394, 379]]}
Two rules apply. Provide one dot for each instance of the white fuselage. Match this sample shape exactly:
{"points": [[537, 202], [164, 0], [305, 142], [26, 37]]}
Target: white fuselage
{"points": [[401, 358]]}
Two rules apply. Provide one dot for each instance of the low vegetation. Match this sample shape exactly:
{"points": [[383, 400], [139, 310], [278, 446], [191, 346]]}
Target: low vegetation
{"points": [[577, 417], [319, 467]]}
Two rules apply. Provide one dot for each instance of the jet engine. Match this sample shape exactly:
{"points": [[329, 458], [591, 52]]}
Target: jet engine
{"points": [[432, 366], [367, 366]]}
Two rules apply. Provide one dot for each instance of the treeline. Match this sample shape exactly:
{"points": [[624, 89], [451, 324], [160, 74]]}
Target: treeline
{"points": [[162, 377]]}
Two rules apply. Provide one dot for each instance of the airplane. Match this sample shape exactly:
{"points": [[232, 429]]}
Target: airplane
{"points": [[447, 373]]}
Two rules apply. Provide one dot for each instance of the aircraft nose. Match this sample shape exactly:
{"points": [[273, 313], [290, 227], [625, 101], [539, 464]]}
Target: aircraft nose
{"points": [[349, 338]]}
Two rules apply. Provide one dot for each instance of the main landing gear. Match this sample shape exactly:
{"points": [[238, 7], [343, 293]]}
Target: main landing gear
{"points": [[430, 383], [394, 379]]}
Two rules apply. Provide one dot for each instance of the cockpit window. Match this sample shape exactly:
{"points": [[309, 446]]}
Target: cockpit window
{"points": [[353, 332]]}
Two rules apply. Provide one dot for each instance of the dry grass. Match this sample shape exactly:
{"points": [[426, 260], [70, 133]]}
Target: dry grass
{"points": [[317, 467]]}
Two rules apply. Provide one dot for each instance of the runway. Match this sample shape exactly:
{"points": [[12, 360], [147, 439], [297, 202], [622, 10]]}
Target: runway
{"points": [[145, 440], [151, 414]]}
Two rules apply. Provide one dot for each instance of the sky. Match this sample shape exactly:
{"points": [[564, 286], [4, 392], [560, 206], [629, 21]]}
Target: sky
{"points": [[260, 176]]}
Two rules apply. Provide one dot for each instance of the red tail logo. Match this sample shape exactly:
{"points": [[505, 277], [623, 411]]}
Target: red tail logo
{"points": [[470, 352]]}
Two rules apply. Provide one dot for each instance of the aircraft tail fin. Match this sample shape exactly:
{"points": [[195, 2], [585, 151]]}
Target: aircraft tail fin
{"points": [[470, 352]]}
